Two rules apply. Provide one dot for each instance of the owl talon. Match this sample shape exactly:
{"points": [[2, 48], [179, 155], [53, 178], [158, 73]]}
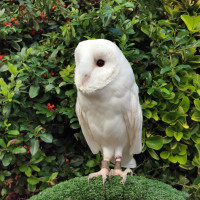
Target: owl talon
{"points": [[104, 172], [123, 174]]}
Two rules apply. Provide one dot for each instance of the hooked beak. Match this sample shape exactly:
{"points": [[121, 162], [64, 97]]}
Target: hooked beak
{"points": [[85, 79]]}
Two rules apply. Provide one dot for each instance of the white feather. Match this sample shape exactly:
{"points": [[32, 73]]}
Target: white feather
{"points": [[107, 105]]}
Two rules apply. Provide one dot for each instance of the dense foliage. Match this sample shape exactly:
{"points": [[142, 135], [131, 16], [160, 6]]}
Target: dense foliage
{"points": [[40, 138], [135, 188]]}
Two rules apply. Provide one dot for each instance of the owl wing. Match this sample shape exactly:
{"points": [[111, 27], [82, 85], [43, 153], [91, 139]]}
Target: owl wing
{"points": [[82, 117], [133, 120]]}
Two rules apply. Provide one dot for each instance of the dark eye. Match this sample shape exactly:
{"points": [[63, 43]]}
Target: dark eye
{"points": [[100, 63]]}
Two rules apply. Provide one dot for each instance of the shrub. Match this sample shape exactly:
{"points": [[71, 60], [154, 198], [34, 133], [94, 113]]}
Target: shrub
{"points": [[134, 188], [41, 143]]}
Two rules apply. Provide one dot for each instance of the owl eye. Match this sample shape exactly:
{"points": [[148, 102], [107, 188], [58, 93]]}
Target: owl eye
{"points": [[100, 63]]}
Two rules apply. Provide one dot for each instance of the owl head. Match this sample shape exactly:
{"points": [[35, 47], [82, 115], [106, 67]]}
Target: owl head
{"points": [[98, 63]]}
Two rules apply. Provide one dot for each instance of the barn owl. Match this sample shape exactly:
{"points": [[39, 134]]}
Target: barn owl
{"points": [[107, 106]]}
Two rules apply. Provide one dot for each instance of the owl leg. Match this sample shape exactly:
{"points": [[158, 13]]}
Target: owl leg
{"points": [[104, 172], [118, 170]]}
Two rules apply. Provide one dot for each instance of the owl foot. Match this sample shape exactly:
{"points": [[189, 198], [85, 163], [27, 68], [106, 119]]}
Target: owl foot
{"points": [[123, 174], [104, 172]]}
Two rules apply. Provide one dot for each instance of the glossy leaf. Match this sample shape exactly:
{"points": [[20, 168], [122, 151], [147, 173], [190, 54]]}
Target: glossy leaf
{"points": [[164, 154], [153, 154], [34, 146], [197, 104], [196, 116], [185, 104], [33, 180], [2, 143], [178, 135], [155, 142], [191, 22], [7, 159], [13, 132], [19, 150], [48, 138], [34, 91]]}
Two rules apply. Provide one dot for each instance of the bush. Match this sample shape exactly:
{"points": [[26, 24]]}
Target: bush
{"points": [[41, 143], [134, 188]]}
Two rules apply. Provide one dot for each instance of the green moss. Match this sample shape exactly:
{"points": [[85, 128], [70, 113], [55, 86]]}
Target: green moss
{"points": [[135, 188]]}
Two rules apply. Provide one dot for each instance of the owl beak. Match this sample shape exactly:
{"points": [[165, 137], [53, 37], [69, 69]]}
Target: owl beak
{"points": [[85, 78]]}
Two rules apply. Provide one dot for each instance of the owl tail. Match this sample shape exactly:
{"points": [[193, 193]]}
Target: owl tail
{"points": [[129, 163]]}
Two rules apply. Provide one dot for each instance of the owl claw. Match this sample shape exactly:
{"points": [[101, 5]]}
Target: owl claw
{"points": [[123, 174], [104, 172]]}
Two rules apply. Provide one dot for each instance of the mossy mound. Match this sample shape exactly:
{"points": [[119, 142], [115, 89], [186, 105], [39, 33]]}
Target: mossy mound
{"points": [[135, 188]]}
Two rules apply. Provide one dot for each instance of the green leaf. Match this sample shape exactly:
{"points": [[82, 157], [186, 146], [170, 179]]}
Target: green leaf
{"points": [[12, 69], [19, 150], [23, 168], [153, 154], [180, 67], [149, 104], [4, 87], [170, 117], [150, 91], [33, 180], [28, 171], [182, 159], [7, 109], [196, 139], [172, 159], [196, 116], [86, 22], [2, 143], [53, 176], [35, 168], [23, 51], [34, 146], [48, 138], [62, 84], [36, 25], [164, 90], [178, 135], [195, 59], [170, 131], [165, 70], [4, 68], [2, 177], [198, 149], [197, 104], [177, 77], [183, 122], [192, 23], [1, 13], [147, 113], [155, 142], [3, 192], [13, 132], [34, 91], [31, 187], [91, 163], [129, 5], [147, 76], [185, 104], [7, 160], [164, 154], [15, 45], [70, 92], [146, 29], [49, 87], [75, 125]]}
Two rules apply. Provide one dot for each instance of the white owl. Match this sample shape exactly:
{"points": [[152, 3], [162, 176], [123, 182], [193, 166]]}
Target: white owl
{"points": [[107, 106]]}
